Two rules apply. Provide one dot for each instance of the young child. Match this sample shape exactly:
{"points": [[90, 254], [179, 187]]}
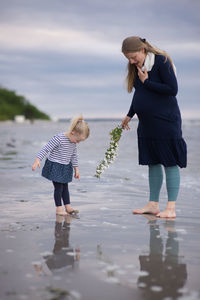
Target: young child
{"points": [[62, 159]]}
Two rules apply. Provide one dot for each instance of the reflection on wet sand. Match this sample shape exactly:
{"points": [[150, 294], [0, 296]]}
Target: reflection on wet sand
{"points": [[164, 274], [63, 254]]}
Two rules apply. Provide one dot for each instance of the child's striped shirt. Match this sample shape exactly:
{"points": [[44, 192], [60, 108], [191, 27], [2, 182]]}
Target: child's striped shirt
{"points": [[61, 150]]}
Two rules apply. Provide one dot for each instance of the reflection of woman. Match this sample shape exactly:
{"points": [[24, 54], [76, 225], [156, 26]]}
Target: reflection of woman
{"points": [[166, 275], [63, 254], [152, 74]]}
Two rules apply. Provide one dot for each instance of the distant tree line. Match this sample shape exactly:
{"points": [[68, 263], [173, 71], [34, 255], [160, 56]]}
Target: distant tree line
{"points": [[12, 104]]}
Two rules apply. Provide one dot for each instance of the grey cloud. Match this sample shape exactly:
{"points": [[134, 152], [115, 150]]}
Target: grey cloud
{"points": [[60, 80], [111, 19]]}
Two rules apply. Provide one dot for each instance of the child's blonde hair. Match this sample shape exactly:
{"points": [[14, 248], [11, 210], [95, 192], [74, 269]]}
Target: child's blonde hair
{"points": [[79, 126]]}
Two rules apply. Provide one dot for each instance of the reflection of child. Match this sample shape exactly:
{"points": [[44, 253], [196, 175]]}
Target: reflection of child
{"points": [[63, 254], [62, 159]]}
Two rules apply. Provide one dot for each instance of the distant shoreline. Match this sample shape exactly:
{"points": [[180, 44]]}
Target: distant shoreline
{"points": [[67, 120], [92, 119]]}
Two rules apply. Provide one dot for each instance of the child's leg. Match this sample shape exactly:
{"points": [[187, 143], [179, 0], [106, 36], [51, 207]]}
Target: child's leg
{"points": [[172, 184], [65, 194], [58, 188], [155, 183], [66, 199]]}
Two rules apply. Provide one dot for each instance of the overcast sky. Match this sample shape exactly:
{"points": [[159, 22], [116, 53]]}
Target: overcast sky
{"points": [[65, 56]]}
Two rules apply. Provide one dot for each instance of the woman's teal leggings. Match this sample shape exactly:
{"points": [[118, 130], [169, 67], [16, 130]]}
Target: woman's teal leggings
{"points": [[156, 180]]}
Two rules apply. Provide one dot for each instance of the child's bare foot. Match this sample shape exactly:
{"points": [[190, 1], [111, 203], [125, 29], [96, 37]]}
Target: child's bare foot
{"points": [[60, 211], [151, 208], [169, 211], [59, 218], [70, 210], [68, 219], [73, 211]]}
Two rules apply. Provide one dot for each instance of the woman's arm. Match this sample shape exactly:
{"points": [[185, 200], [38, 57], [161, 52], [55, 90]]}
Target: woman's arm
{"points": [[128, 117], [131, 111], [168, 84]]}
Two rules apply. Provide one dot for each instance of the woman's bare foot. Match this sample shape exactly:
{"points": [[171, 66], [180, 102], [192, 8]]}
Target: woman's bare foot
{"points": [[169, 211], [60, 211], [150, 217], [151, 208], [169, 225]]}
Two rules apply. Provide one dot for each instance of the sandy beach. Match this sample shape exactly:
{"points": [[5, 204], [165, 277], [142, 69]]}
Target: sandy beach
{"points": [[105, 252]]}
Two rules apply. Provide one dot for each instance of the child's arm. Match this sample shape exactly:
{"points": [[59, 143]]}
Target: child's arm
{"points": [[54, 142], [74, 161], [49, 147], [36, 164], [76, 175]]}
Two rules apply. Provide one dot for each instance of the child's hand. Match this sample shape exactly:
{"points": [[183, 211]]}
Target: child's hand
{"points": [[76, 175], [36, 164]]}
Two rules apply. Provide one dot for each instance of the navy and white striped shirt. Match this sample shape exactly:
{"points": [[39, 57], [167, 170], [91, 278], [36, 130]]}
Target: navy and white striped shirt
{"points": [[61, 150]]}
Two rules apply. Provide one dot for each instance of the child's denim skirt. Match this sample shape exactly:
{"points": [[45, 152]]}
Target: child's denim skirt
{"points": [[57, 172]]}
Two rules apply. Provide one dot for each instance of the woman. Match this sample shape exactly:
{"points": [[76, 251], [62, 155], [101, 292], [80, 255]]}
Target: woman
{"points": [[152, 74]]}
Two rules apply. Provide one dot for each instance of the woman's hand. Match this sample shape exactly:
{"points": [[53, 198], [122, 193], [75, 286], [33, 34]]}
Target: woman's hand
{"points": [[143, 75], [125, 122], [76, 175], [36, 164]]}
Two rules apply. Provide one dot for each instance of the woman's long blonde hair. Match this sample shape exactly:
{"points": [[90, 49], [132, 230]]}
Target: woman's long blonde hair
{"points": [[79, 126], [140, 44]]}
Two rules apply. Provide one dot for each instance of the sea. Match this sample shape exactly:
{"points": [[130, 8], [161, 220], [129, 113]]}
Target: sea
{"points": [[104, 252]]}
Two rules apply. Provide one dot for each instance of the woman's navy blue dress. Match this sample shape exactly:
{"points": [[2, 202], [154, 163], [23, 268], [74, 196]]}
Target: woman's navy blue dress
{"points": [[159, 130]]}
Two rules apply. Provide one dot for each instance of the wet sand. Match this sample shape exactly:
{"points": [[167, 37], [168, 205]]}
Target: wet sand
{"points": [[106, 252]]}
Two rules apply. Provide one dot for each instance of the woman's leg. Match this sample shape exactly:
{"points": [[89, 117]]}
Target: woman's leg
{"points": [[155, 183], [172, 184], [58, 189]]}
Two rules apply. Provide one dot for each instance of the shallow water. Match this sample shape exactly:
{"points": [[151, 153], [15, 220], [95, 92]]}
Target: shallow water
{"points": [[106, 253]]}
